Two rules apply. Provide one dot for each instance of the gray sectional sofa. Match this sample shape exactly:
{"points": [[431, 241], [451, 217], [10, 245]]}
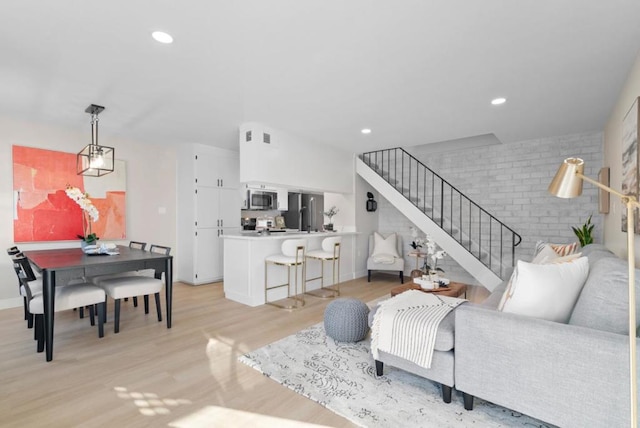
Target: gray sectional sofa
{"points": [[570, 375]]}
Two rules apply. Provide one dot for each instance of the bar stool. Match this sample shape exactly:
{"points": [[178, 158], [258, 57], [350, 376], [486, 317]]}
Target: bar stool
{"points": [[293, 252], [330, 252]]}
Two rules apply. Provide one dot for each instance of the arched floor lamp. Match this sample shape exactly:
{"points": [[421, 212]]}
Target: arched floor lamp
{"points": [[568, 184]]}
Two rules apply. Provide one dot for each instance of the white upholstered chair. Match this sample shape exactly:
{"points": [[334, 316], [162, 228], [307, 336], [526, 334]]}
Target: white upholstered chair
{"points": [[292, 255], [133, 285], [330, 252], [385, 254], [67, 297]]}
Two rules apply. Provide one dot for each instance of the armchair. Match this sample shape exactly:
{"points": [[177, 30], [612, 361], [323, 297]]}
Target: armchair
{"points": [[385, 254]]}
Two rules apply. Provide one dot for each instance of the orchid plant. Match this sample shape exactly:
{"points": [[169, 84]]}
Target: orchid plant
{"points": [[89, 213], [430, 248]]}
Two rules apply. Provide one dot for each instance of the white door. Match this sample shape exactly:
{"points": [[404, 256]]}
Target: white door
{"points": [[229, 171], [207, 170], [207, 207], [208, 266], [229, 207]]}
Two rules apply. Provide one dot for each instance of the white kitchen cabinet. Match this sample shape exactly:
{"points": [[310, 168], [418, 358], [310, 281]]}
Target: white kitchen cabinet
{"points": [[217, 170], [283, 199], [208, 207]]}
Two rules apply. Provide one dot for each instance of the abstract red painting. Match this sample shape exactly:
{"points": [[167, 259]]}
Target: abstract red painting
{"points": [[44, 212]]}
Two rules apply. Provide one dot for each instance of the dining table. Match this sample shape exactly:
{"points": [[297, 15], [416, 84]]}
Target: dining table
{"points": [[59, 266]]}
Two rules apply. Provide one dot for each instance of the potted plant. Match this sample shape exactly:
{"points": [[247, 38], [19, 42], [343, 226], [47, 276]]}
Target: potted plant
{"points": [[584, 233], [331, 213], [89, 213]]}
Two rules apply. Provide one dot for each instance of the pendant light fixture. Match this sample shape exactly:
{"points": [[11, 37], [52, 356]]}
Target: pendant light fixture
{"points": [[95, 160]]}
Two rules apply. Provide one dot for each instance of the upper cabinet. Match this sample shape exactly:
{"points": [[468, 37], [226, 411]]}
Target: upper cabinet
{"points": [[217, 170]]}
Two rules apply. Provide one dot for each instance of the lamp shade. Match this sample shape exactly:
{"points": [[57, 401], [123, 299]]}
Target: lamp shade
{"points": [[567, 183]]}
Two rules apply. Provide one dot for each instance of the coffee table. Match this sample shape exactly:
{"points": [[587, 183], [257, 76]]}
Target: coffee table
{"points": [[454, 289]]}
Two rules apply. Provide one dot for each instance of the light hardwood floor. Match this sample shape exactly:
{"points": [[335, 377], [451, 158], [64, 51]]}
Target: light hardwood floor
{"points": [[148, 375]]}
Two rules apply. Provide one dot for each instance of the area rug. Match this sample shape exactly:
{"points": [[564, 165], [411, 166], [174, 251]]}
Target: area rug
{"points": [[342, 378]]}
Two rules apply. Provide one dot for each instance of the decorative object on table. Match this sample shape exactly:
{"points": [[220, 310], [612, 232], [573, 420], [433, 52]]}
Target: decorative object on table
{"points": [[417, 242], [331, 213], [584, 233], [100, 250], [95, 160], [567, 183], [89, 214], [346, 320], [426, 283], [372, 205], [340, 376], [434, 254], [630, 179]]}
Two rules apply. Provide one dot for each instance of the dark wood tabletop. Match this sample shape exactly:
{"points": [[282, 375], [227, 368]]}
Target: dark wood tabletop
{"points": [[71, 263]]}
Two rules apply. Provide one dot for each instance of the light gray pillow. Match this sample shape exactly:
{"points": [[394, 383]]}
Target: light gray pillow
{"points": [[604, 301]]}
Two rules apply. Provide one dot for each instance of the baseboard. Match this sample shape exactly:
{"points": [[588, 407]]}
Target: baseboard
{"points": [[14, 302]]}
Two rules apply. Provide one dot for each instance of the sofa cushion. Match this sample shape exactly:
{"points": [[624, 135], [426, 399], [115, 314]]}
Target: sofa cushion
{"points": [[546, 291], [559, 249], [604, 301], [596, 252], [444, 335]]}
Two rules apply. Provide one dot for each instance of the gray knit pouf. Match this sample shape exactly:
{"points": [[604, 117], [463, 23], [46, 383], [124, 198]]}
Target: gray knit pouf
{"points": [[345, 320]]}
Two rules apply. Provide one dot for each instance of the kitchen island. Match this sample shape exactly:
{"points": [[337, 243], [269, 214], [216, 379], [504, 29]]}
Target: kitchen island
{"points": [[244, 265]]}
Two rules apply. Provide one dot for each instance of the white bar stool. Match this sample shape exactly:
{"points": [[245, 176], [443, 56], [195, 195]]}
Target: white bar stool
{"points": [[330, 252], [293, 255]]}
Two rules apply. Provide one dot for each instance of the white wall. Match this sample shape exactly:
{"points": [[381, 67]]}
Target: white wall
{"points": [[614, 238], [151, 189], [293, 162]]}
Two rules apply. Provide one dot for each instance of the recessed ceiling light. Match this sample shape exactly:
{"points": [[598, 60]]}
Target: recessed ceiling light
{"points": [[498, 101], [162, 37], [366, 131]]}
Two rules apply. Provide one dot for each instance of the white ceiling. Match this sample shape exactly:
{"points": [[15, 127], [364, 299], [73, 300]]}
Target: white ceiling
{"points": [[414, 71]]}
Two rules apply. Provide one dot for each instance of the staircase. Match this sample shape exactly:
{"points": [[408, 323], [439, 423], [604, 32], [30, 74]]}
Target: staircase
{"points": [[475, 239]]}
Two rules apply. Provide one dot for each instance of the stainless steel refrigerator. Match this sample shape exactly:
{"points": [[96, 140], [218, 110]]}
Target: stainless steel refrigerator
{"points": [[305, 212]]}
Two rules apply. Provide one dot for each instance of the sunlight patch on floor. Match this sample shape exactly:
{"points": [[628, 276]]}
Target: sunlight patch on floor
{"points": [[148, 403], [229, 418]]}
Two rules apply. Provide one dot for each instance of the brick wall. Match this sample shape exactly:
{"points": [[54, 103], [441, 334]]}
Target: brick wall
{"points": [[510, 181]]}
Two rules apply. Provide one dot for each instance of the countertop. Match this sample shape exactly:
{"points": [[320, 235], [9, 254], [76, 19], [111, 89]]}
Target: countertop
{"points": [[252, 235]]}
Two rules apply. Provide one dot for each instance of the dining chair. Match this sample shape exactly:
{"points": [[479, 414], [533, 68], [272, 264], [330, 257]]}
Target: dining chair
{"points": [[35, 286], [67, 297], [133, 285], [132, 244]]}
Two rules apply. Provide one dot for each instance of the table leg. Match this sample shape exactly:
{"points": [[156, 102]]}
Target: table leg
{"points": [[48, 297], [168, 287]]}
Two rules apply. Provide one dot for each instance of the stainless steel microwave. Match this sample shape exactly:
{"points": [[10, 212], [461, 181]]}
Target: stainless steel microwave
{"points": [[262, 200]]}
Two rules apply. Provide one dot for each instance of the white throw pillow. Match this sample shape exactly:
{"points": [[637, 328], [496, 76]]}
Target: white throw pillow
{"points": [[385, 246], [546, 291]]}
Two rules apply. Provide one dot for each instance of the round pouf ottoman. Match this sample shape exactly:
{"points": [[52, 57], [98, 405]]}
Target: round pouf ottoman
{"points": [[345, 320]]}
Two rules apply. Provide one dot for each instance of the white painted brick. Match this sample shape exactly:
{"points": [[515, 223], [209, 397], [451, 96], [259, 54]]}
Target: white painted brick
{"points": [[510, 181]]}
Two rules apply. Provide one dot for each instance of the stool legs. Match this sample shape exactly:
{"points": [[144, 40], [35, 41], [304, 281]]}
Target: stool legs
{"points": [[334, 289], [298, 298]]}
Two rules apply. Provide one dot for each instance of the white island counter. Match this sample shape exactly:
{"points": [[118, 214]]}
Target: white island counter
{"points": [[244, 265]]}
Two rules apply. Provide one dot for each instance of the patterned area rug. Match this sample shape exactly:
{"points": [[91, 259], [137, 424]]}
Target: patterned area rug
{"points": [[342, 378]]}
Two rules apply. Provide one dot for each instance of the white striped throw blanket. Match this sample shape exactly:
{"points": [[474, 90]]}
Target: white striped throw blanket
{"points": [[406, 325]]}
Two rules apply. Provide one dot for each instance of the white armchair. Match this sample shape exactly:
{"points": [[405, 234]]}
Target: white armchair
{"points": [[385, 254]]}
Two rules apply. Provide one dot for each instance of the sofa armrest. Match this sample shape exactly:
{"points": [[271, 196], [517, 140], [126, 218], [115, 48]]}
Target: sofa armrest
{"points": [[563, 374]]}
